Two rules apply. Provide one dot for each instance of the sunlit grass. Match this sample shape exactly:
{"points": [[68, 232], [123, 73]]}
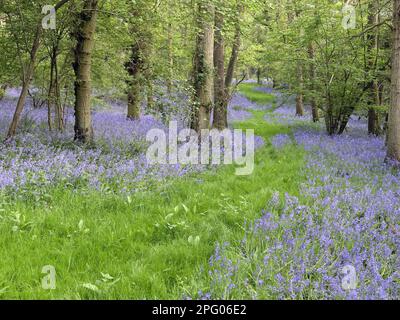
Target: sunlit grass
{"points": [[248, 89]]}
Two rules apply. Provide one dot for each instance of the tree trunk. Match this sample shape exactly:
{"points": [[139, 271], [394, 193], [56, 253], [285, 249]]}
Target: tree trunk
{"points": [[299, 96], [373, 122], [203, 67], [299, 105], [134, 99], [299, 67], [394, 112], [373, 46], [134, 67], [3, 89], [149, 72], [50, 94], [259, 76], [25, 83], [82, 66], [57, 97], [313, 102], [220, 99], [235, 50], [170, 59], [331, 120], [53, 96]]}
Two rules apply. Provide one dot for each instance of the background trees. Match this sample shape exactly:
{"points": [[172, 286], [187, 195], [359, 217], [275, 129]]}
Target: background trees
{"points": [[318, 55], [316, 51]]}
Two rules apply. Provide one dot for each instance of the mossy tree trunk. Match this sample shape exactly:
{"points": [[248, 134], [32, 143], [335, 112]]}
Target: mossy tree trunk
{"points": [[223, 81], [203, 74], [220, 97], [134, 68], [86, 27]]}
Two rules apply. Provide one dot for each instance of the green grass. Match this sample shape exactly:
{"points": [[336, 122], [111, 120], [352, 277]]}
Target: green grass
{"points": [[248, 89], [142, 247]]}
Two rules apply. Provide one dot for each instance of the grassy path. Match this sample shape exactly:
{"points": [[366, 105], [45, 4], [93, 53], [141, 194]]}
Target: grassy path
{"points": [[151, 245]]}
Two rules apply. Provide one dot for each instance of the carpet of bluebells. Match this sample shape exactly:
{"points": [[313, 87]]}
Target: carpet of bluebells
{"points": [[38, 158], [347, 215], [298, 249]]}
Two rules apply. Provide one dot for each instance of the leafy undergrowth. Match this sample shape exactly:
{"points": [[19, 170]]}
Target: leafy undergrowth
{"points": [[151, 244]]}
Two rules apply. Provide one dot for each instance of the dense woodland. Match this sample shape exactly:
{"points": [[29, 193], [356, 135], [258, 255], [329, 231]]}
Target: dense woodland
{"points": [[81, 82]]}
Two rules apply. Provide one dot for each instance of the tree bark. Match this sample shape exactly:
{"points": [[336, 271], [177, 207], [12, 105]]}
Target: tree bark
{"points": [[203, 67], [82, 67], [27, 78], [299, 70], [299, 104], [150, 94], [57, 97], [313, 102], [373, 46], [235, 49], [299, 96], [393, 152], [134, 68], [259, 76], [170, 59], [220, 98], [50, 94]]}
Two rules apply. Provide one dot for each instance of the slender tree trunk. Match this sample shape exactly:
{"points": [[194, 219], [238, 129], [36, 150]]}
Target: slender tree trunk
{"points": [[50, 94], [149, 72], [57, 97], [299, 67], [82, 66], [299, 96], [220, 99], [26, 82], [373, 47], [235, 49], [299, 105], [313, 102], [134, 68], [203, 67], [259, 76], [53, 96], [394, 112], [170, 59], [27, 77]]}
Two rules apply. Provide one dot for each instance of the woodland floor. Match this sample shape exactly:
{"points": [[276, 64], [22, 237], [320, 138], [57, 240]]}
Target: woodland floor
{"points": [[198, 235]]}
